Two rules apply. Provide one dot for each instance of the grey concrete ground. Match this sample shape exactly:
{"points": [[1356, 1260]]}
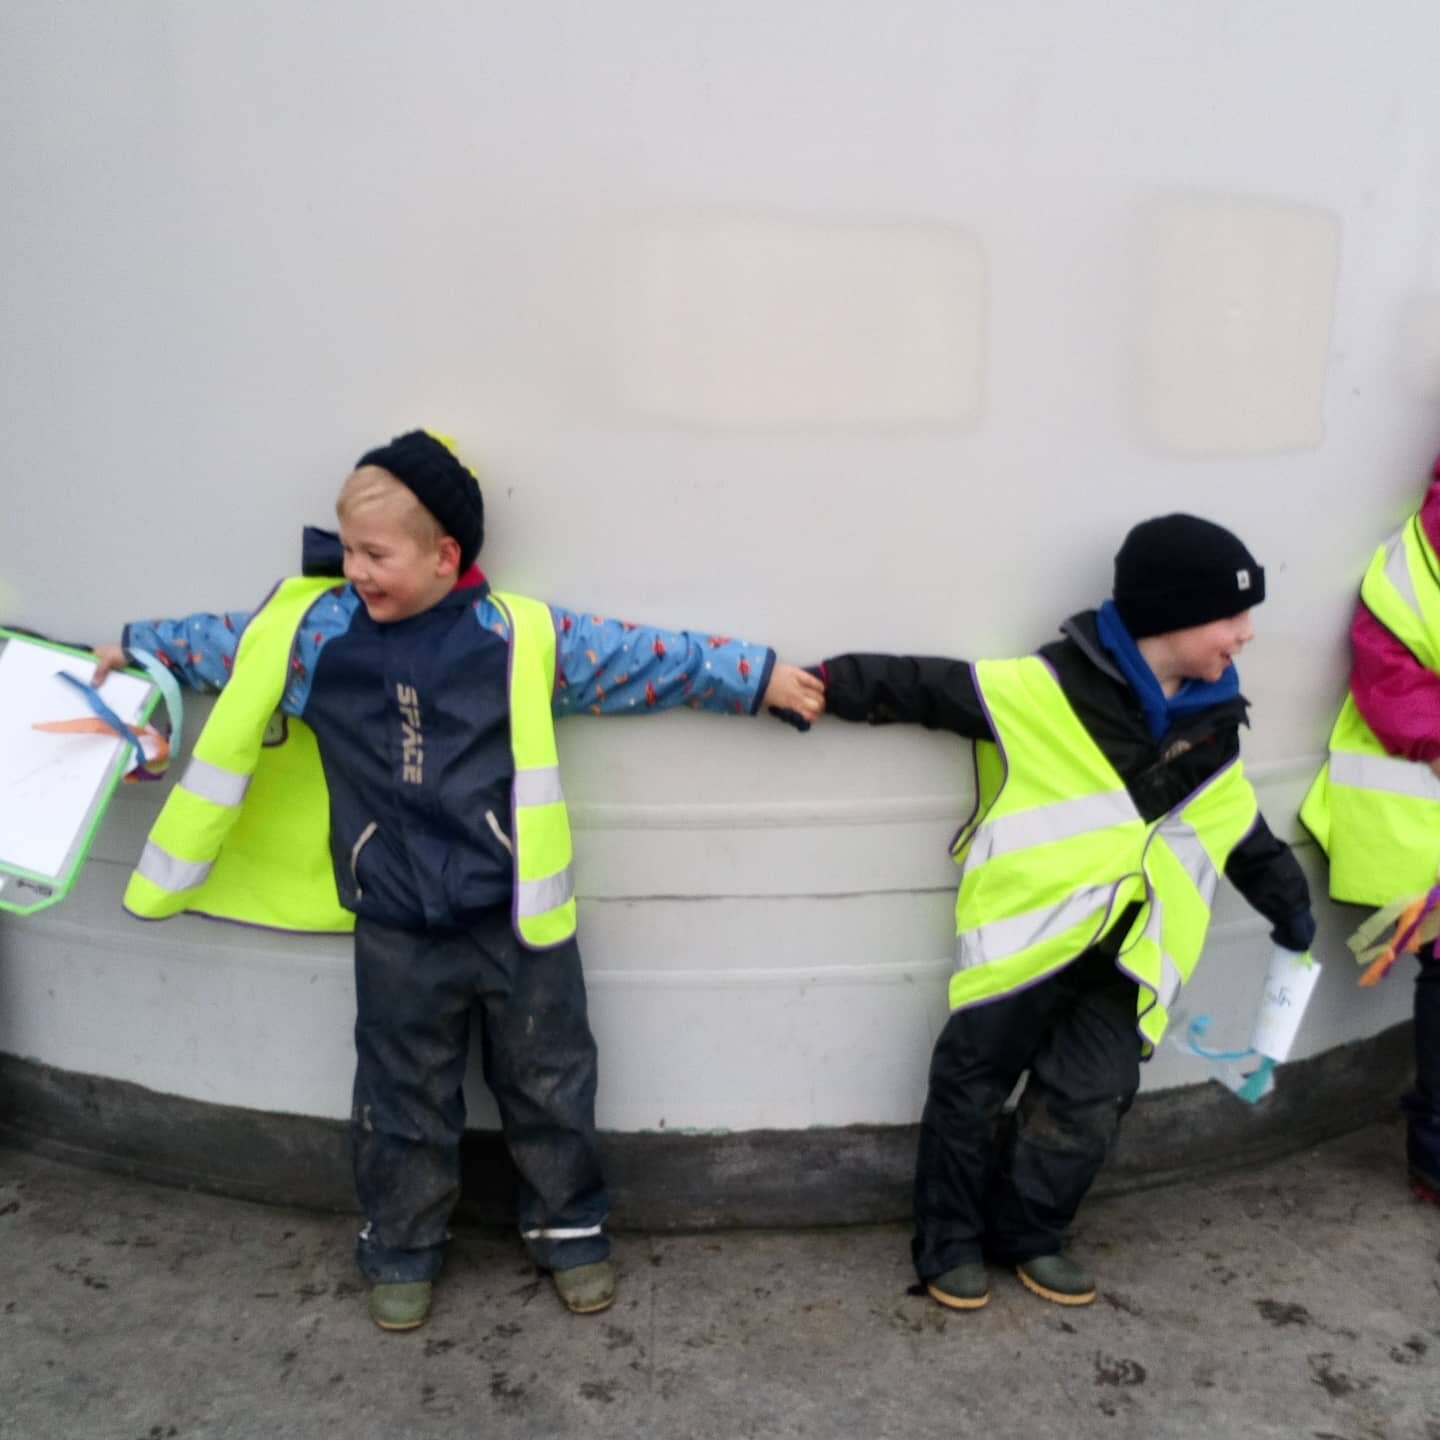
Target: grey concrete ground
{"points": [[1302, 1300]]}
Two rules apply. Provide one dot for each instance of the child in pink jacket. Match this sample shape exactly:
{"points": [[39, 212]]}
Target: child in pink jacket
{"points": [[1399, 698]]}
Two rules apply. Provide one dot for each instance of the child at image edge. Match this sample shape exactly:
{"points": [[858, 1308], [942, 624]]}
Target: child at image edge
{"points": [[1375, 808], [427, 703], [1110, 796]]}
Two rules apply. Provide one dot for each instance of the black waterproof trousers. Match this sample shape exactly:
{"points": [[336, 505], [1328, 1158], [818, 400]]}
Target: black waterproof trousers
{"points": [[1007, 1187], [1422, 1103], [414, 995]]}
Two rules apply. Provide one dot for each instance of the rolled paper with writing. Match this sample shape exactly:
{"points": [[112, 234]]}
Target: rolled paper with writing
{"points": [[1289, 984]]}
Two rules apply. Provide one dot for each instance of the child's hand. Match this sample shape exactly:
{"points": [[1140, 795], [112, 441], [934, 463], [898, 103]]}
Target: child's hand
{"points": [[794, 695], [108, 658]]}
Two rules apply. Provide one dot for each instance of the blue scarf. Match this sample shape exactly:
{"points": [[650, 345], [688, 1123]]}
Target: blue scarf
{"points": [[1161, 710]]}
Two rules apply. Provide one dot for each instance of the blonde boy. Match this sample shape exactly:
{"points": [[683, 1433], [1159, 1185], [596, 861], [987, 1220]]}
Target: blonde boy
{"points": [[431, 700]]}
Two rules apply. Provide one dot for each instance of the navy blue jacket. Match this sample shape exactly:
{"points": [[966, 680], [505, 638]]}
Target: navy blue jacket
{"points": [[427, 846]]}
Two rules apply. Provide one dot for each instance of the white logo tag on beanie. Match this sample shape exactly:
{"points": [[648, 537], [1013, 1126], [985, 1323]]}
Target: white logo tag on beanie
{"points": [[1242, 579]]}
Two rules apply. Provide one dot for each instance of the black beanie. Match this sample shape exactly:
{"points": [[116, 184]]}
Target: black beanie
{"points": [[440, 482], [1177, 571]]}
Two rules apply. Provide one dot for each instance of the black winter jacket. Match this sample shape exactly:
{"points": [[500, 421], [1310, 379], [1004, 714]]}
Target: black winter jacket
{"points": [[940, 694]]}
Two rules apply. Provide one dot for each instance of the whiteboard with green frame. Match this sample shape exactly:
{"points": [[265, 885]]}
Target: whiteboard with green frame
{"points": [[54, 787]]}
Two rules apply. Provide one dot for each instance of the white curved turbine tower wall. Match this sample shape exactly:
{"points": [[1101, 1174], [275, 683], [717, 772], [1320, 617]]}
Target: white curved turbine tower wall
{"points": [[840, 326]]}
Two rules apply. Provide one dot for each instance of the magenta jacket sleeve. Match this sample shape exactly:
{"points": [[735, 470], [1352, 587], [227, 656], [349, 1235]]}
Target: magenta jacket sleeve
{"points": [[1398, 698]]}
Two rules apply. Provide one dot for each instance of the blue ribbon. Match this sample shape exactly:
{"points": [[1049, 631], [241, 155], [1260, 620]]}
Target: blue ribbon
{"points": [[169, 688], [1256, 1085], [1198, 1027], [105, 713]]}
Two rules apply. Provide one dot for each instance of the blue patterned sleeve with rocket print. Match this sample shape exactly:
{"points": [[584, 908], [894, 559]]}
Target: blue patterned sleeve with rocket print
{"points": [[610, 667], [200, 649]]}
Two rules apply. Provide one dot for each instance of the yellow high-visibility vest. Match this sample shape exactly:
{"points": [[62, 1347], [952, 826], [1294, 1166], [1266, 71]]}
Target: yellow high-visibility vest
{"points": [[1377, 816], [1057, 850], [244, 834], [544, 907]]}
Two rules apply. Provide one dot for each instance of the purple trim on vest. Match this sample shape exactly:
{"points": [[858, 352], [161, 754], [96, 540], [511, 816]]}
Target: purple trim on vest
{"points": [[228, 920]]}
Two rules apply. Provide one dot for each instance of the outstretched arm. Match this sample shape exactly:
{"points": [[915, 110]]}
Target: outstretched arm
{"points": [[937, 693], [200, 649], [611, 667]]}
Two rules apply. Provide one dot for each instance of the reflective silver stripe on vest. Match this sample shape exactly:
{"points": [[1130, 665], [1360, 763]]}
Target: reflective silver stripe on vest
{"points": [[1170, 981], [1384, 772], [1061, 820], [211, 782], [538, 787], [1397, 571], [538, 897], [165, 871], [571, 1234], [1018, 932], [1184, 840]]}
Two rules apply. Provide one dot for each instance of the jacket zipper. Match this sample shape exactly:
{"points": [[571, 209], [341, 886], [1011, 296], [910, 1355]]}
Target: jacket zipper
{"points": [[355, 850], [498, 833]]}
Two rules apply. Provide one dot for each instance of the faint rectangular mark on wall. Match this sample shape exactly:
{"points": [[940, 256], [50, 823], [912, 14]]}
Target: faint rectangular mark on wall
{"points": [[1235, 328], [758, 323], [1417, 359]]}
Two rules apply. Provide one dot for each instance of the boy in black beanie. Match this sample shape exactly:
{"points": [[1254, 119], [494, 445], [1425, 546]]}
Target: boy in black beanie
{"points": [[1109, 798], [410, 790]]}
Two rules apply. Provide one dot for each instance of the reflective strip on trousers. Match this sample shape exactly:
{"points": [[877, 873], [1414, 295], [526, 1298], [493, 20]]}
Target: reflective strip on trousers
{"points": [[1184, 840], [539, 897], [1015, 933], [166, 872], [213, 783], [1062, 820], [1384, 772], [575, 1234], [1397, 570], [538, 787]]}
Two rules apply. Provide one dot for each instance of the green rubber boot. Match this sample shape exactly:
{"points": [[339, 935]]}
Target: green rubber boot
{"points": [[1057, 1278], [586, 1289], [400, 1306], [966, 1287]]}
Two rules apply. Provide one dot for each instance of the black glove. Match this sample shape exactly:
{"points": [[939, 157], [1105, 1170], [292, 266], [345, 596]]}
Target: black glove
{"points": [[1296, 932], [790, 717]]}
